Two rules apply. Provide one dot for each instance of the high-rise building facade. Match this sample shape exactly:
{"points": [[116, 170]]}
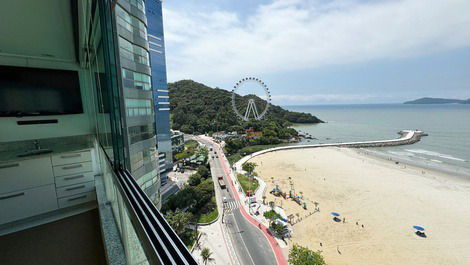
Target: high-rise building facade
{"points": [[137, 92], [78, 151], [159, 82]]}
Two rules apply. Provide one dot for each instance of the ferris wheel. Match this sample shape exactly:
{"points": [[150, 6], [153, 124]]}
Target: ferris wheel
{"points": [[251, 109]]}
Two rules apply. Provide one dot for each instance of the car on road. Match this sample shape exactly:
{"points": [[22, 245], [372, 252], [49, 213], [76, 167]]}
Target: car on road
{"points": [[224, 199]]}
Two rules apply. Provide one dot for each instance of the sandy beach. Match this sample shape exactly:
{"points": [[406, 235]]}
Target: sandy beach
{"points": [[386, 198]]}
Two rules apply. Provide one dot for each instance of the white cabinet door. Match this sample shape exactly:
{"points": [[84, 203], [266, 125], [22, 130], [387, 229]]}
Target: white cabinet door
{"points": [[74, 179], [72, 169], [75, 189], [71, 158], [22, 204], [77, 199], [25, 174]]}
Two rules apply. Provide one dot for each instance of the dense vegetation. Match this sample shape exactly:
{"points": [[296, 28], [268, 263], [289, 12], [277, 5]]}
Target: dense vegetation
{"points": [[299, 255], [196, 108], [190, 148], [195, 197]]}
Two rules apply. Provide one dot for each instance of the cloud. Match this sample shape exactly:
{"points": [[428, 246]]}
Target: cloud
{"points": [[289, 35]]}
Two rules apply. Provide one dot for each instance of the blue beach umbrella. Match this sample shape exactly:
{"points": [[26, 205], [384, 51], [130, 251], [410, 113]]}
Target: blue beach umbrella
{"points": [[335, 214], [419, 228]]}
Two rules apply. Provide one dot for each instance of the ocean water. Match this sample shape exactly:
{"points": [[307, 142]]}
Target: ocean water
{"points": [[448, 126]]}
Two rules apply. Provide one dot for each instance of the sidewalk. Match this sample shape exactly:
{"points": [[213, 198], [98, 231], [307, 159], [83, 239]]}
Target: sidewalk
{"points": [[212, 237]]}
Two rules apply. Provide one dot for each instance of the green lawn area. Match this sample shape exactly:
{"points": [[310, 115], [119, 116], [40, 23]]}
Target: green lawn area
{"points": [[247, 183], [189, 150], [208, 217], [234, 158], [191, 144]]}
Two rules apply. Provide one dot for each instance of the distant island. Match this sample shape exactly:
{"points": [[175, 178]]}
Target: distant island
{"points": [[438, 101]]}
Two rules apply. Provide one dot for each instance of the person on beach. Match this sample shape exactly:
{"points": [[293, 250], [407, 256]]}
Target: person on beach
{"points": [[344, 220]]}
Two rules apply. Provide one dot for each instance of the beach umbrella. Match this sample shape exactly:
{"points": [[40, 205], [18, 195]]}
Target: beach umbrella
{"points": [[419, 228], [335, 214]]}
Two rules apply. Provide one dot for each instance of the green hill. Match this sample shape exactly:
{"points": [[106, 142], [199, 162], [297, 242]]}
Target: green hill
{"points": [[197, 108]]}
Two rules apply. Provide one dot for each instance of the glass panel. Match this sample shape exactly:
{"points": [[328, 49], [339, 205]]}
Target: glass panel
{"points": [[133, 52], [136, 80], [132, 244], [130, 22], [138, 107]]}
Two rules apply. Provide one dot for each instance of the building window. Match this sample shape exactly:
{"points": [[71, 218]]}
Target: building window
{"points": [[140, 133], [148, 179], [138, 107], [139, 4], [130, 23], [134, 80], [139, 159], [133, 52]]}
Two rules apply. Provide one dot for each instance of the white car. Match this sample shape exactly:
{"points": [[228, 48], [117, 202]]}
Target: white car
{"points": [[224, 199]]}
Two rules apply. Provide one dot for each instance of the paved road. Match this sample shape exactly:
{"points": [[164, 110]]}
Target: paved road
{"points": [[251, 246]]}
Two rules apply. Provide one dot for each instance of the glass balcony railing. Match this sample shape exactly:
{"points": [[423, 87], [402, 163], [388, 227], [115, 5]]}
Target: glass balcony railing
{"points": [[146, 237]]}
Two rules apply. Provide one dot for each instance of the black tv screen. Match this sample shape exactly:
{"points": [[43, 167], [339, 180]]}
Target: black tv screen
{"points": [[34, 91]]}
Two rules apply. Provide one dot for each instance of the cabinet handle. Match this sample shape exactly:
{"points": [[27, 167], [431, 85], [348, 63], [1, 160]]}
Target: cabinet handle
{"points": [[70, 156], [71, 167], [76, 188], [10, 165], [74, 177], [12, 196], [77, 198]]}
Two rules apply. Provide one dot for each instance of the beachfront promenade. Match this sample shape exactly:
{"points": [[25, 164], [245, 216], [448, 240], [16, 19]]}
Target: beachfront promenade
{"points": [[407, 137]]}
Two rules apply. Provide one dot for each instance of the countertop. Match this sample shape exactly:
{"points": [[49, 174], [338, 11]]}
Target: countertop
{"points": [[57, 145]]}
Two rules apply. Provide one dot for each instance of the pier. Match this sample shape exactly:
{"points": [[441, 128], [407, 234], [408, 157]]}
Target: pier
{"points": [[406, 137]]}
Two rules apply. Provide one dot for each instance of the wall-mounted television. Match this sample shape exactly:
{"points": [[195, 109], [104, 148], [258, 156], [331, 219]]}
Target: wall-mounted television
{"points": [[36, 92]]}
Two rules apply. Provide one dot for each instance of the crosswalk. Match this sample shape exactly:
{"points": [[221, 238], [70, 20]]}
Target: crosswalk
{"points": [[231, 205]]}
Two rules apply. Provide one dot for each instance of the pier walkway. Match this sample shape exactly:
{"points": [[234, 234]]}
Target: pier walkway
{"points": [[407, 137]]}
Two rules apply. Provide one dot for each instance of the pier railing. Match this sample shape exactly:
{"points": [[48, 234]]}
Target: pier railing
{"points": [[407, 137]]}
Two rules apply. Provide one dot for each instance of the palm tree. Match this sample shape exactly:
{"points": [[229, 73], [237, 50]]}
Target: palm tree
{"points": [[178, 220], [206, 255]]}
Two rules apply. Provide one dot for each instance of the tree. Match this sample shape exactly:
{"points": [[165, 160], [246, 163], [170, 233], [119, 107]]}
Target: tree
{"points": [[178, 220], [249, 167], [299, 255], [206, 255], [194, 179], [203, 171]]}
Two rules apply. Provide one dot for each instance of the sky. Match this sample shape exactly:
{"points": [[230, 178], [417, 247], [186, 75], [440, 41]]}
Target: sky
{"points": [[321, 51]]}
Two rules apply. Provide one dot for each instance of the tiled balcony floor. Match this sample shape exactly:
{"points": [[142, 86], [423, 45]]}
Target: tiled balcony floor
{"points": [[73, 240]]}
